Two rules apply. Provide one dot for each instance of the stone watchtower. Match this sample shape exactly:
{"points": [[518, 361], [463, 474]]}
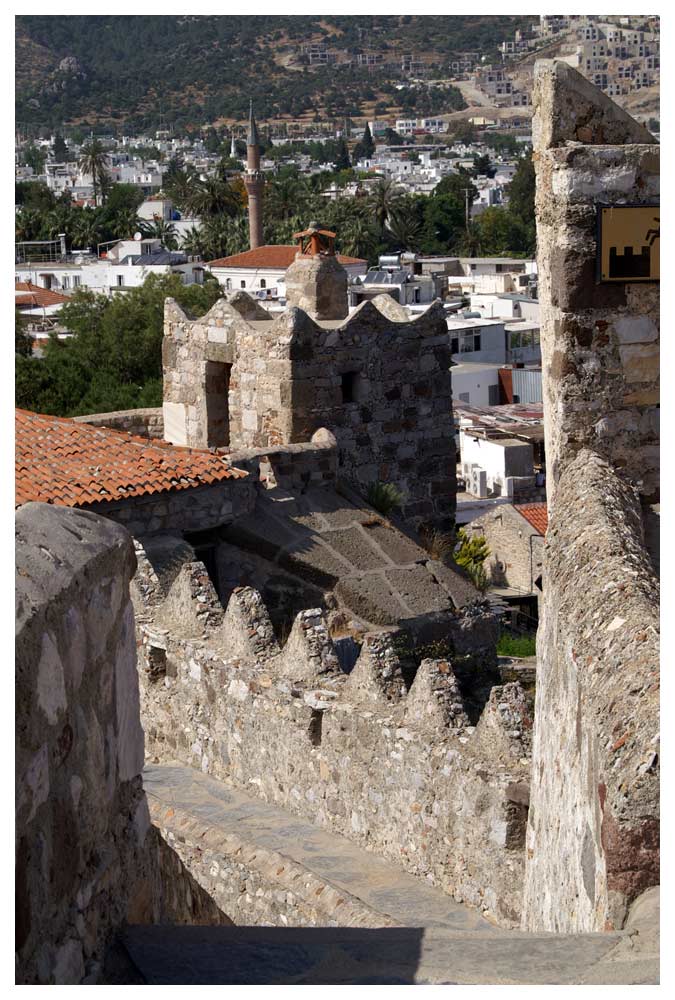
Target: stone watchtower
{"points": [[240, 377], [254, 182], [316, 281]]}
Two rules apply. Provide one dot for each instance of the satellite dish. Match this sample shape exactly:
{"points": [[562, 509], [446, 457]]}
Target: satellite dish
{"points": [[138, 236]]}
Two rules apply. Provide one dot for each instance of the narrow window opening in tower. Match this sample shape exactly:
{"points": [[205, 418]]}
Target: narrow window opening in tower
{"points": [[350, 383], [315, 726], [217, 387]]}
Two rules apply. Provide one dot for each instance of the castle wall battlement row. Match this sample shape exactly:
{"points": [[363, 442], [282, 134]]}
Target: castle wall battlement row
{"points": [[378, 381], [386, 755]]}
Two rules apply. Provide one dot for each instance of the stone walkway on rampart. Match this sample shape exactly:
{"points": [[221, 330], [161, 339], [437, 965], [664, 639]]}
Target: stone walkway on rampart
{"points": [[400, 930]]}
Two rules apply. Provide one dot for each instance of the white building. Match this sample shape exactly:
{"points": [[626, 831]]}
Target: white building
{"points": [[125, 265], [262, 272]]}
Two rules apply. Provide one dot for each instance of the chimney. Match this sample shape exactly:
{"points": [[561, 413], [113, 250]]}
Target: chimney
{"points": [[316, 281]]}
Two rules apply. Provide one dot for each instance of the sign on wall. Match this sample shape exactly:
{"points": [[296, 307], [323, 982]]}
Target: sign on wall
{"points": [[629, 243]]}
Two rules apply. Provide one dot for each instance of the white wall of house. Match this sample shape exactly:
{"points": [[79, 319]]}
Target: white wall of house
{"points": [[475, 384], [500, 459], [477, 340]]}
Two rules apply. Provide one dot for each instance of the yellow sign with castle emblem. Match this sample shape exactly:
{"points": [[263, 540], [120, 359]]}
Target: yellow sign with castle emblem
{"points": [[629, 243]]}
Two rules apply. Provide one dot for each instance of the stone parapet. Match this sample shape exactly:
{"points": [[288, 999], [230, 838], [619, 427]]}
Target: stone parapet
{"points": [[379, 382], [396, 768], [84, 862], [593, 837], [147, 422]]}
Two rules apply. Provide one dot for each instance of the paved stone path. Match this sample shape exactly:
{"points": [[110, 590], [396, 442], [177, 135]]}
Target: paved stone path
{"points": [[439, 941]]}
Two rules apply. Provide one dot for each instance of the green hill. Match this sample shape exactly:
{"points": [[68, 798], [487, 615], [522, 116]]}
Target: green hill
{"points": [[112, 71]]}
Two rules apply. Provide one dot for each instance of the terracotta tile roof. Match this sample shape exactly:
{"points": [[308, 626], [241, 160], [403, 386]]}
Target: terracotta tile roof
{"points": [[72, 464], [32, 295], [535, 514], [278, 257]]}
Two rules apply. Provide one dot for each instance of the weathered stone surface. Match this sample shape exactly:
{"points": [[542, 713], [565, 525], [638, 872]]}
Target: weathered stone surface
{"points": [[319, 286], [593, 828], [600, 349], [372, 379], [592, 841], [79, 743], [421, 788]]}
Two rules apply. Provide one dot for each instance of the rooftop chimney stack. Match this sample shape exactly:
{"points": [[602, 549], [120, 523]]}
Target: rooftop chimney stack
{"points": [[316, 281]]}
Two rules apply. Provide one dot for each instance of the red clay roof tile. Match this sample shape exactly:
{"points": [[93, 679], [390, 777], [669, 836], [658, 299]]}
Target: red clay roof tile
{"points": [[278, 257], [33, 295], [64, 462], [535, 514]]}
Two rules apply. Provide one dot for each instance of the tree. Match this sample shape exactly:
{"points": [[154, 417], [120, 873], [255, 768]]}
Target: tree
{"points": [[384, 198], [159, 229], [365, 148], [23, 342], [470, 554], [502, 233], [35, 158], [405, 227], [342, 161], [521, 191], [59, 149], [114, 358], [93, 160], [482, 166], [393, 138]]}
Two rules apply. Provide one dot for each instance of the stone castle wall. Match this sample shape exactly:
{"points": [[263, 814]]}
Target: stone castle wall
{"points": [[84, 860], [147, 422], [386, 755], [600, 342], [593, 831], [378, 381], [593, 842], [173, 512]]}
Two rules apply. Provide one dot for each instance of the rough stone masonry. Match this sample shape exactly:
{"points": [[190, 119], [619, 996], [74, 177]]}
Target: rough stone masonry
{"points": [[380, 382], [593, 828]]}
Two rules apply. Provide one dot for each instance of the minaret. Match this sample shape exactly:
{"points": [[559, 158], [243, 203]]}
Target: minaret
{"points": [[254, 181], [233, 148]]}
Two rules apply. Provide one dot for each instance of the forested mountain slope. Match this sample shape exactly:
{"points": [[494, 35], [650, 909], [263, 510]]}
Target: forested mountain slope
{"points": [[114, 70]]}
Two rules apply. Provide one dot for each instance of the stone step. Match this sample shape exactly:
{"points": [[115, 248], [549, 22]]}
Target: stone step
{"points": [[402, 930], [392, 955]]}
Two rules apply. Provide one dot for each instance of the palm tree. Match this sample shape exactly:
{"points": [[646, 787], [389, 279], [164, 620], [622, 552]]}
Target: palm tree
{"points": [[179, 185], [288, 196], [213, 196], [159, 229], [93, 160], [384, 199], [470, 243], [125, 223], [194, 242], [357, 237], [86, 231], [405, 229]]}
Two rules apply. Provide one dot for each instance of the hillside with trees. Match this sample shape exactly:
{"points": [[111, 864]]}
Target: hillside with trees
{"points": [[109, 71]]}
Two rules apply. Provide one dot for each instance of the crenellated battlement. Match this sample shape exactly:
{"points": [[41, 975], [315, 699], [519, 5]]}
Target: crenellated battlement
{"points": [[238, 378], [385, 753]]}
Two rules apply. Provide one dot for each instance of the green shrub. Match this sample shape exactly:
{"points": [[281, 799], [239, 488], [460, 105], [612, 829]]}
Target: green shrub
{"points": [[384, 497], [510, 645]]}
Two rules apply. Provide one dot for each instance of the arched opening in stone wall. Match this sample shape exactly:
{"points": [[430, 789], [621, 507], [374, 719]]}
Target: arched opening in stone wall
{"points": [[216, 389]]}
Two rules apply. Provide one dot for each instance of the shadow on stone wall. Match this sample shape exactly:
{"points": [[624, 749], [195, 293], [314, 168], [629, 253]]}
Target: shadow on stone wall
{"points": [[276, 955]]}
